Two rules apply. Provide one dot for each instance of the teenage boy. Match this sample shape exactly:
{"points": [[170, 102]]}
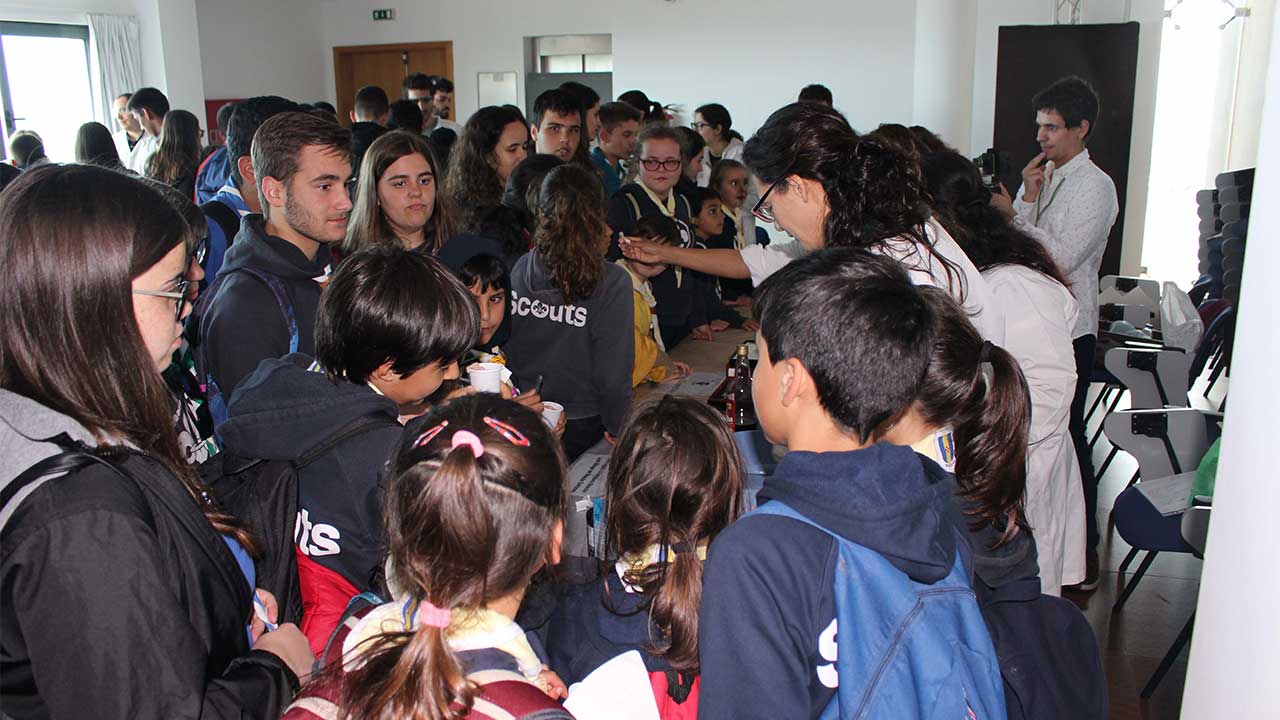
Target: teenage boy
{"points": [[619, 128], [239, 195], [1070, 210], [556, 125], [263, 303], [148, 107], [390, 329], [850, 586], [681, 307], [216, 166]]}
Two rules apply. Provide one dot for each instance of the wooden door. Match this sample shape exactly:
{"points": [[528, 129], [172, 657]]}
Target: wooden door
{"points": [[386, 66]]}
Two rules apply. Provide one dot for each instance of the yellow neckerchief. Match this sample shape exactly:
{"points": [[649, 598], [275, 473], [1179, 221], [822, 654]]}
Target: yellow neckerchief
{"points": [[940, 447], [494, 355], [642, 286], [632, 563], [315, 368], [738, 225], [669, 207], [470, 630]]}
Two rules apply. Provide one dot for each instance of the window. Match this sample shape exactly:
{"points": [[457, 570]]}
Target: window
{"points": [[44, 83]]}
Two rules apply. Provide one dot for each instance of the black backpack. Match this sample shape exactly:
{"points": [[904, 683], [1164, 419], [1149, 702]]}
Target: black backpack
{"points": [[263, 494]]}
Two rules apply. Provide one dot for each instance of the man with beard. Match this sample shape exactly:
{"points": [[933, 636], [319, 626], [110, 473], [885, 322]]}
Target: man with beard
{"points": [[263, 303]]}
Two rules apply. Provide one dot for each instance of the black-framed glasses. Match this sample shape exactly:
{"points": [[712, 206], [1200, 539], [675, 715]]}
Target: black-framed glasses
{"points": [[178, 293], [763, 209], [654, 164], [698, 125]]}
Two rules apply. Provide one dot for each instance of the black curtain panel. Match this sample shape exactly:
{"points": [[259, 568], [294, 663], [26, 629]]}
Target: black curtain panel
{"points": [[1030, 58]]}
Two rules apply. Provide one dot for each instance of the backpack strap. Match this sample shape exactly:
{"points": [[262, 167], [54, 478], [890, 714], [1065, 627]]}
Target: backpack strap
{"points": [[74, 456], [278, 290], [635, 206], [228, 220]]}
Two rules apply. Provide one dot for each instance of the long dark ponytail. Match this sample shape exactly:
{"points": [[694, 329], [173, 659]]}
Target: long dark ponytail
{"points": [[989, 412], [675, 481], [461, 531]]}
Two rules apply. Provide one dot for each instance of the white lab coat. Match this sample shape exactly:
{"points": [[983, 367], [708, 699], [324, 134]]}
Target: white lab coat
{"points": [[1038, 335]]}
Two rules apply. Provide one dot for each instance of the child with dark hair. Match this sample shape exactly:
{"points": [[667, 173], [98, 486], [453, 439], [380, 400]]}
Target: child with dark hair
{"points": [[475, 505], [391, 327], [847, 592], [572, 324], [675, 481], [692, 148], [652, 363]]}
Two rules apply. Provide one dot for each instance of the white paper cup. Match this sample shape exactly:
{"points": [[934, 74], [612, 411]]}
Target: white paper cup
{"points": [[486, 377], [551, 412]]}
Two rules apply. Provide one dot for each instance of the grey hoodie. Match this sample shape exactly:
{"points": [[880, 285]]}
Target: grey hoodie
{"points": [[24, 426], [583, 351]]}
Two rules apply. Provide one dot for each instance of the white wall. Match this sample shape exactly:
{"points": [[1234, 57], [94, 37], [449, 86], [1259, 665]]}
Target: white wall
{"points": [[992, 14], [251, 47], [1235, 650], [944, 65], [745, 56]]}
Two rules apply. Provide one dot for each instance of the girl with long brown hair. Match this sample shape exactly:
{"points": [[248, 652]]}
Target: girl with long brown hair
{"points": [[125, 548], [572, 311], [474, 506], [675, 481], [397, 198], [494, 141], [178, 156]]}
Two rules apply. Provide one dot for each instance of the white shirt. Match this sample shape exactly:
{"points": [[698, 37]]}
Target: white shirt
{"points": [[1072, 218], [965, 283], [121, 139], [443, 123], [142, 152]]}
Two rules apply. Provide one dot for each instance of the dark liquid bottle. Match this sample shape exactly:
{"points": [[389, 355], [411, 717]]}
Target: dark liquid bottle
{"points": [[742, 409]]}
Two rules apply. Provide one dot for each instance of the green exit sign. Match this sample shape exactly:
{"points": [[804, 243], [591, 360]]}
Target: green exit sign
{"points": [[384, 14]]}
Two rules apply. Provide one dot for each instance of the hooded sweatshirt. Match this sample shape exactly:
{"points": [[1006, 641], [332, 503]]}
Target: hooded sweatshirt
{"points": [[583, 351], [133, 568], [244, 324], [281, 412], [767, 625]]}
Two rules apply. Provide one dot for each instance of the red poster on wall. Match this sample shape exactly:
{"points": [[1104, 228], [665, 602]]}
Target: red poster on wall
{"points": [[211, 119]]}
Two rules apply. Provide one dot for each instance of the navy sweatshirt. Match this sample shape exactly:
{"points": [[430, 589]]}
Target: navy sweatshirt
{"points": [[582, 350], [244, 324], [768, 605]]}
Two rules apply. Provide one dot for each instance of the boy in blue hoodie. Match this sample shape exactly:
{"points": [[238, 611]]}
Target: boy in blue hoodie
{"points": [[850, 529]]}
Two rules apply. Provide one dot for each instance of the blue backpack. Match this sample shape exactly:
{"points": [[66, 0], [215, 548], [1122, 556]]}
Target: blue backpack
{"points": [[905, 649], [213, 394]]}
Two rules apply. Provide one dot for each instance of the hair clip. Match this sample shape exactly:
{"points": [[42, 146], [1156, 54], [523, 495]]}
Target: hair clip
{"points": [[684, 546], [514, 436], [470, 439], [417, 612], [429, 435]]}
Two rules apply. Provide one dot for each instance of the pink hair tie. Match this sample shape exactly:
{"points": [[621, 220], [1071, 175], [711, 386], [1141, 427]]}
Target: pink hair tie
{"points": [[422, 613], [466, 437]]}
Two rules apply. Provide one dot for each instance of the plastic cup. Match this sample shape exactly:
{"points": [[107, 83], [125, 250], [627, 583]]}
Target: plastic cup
{"points": [[486, 377], [551, 412]]}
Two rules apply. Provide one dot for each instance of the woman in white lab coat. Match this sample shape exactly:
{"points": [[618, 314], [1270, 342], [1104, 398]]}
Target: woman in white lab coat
{"points": [[1023, 278]]}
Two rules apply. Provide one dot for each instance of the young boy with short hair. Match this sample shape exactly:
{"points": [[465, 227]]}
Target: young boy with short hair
{"points": [[847, 593], [651, 362], [619, 127], [390, 328]]}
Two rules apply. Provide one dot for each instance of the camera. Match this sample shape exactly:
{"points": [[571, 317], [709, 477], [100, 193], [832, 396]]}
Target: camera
{"points": [[992, 164]]}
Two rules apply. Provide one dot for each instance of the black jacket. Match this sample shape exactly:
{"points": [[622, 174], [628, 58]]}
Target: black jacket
{"points": [[244, 324], [120, 600]]}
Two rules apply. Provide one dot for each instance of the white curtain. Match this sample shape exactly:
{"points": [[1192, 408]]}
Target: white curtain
{"points": [[117, 52]]}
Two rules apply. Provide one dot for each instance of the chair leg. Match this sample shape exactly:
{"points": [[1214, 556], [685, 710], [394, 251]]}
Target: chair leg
{"points": [[1213, 379], [1110, 456], [1222, 405], [1128, 559], [1133, 582], [1096, 402], [1115, 402], [1174, 651]]}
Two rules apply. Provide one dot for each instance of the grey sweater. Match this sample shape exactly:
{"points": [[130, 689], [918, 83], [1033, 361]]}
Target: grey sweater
{"points": [[583, 351]]}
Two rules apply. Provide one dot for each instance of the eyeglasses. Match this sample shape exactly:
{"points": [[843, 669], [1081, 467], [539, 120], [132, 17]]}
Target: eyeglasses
{"points": [[182, 287], [763, 209], [654, 164], [699, 125]]}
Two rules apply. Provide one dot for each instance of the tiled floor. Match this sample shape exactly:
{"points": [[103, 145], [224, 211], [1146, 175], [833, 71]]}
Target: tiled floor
{"points": [[1135, 639]]}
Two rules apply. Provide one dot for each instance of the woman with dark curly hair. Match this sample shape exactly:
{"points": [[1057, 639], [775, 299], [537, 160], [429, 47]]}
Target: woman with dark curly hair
{"points": [[572, 311], [825, 186], [178, 157], [494, 141]]}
